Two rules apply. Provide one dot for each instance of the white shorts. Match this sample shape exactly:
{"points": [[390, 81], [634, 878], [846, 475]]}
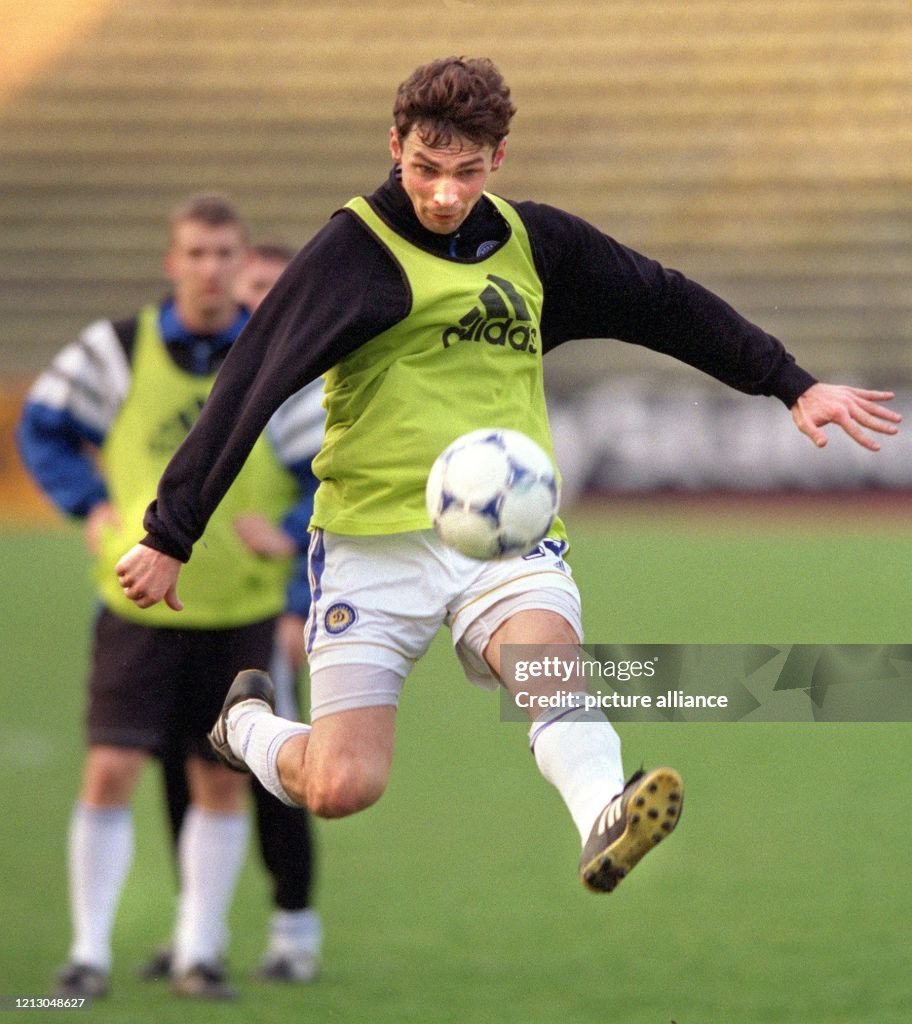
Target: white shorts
{"points": [[380, 600]]}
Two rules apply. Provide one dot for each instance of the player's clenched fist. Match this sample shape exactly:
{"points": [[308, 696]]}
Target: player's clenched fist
{"points": [[148, 576]]}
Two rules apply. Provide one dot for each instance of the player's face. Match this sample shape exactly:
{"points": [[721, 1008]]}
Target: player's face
{"points": [[255, 280], [444, 183], [202, 264]]}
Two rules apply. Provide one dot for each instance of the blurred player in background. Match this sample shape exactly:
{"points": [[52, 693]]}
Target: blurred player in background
{"points": [[295, 936], [96, 431], [264, 266], [428, 305]]}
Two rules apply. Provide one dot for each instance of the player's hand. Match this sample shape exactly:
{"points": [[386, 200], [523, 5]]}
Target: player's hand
{"points": [[102, 516], [262, 537], [856, 410], [148, 576]]}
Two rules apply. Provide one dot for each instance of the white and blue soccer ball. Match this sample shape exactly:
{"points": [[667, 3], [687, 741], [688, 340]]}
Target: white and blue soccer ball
{"points": [[492, 493]]}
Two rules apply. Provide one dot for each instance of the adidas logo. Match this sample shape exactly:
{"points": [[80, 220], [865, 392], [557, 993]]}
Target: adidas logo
{"points": [[610, 816], [496, 323]]}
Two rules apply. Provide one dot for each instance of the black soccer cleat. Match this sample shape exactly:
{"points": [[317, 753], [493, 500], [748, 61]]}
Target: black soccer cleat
{"points": [[636, 820], [251, 684], [81, 981], [204, 981], [158, 966], [301, 967]]}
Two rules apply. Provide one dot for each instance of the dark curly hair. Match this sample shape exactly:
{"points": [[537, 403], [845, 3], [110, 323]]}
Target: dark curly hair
{"points": [[454, 97]]}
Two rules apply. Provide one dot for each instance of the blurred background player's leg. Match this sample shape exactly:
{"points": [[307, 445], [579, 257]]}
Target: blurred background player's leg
{"points": [[296, 932], [286, 845]]}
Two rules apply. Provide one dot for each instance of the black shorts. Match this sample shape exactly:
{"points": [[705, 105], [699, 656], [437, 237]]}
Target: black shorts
{"points": [[151, 687]]}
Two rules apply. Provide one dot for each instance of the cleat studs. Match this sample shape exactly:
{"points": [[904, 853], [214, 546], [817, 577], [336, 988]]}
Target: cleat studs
{"points": [[653, 813], [656, 838], [667, 826], [672, 812], [635, 819], [653, 787], [640, 801], [674, 796]]}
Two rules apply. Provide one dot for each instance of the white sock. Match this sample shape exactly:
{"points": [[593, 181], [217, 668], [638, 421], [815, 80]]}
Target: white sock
{"points": [[256, 735], [211, 852], [295, 931], [579, 753], [100, 851]]}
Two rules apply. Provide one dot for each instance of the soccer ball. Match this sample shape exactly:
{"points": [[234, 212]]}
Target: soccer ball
{"points": [[492, 493]]}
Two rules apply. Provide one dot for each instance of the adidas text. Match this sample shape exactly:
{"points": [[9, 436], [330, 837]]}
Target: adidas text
{"points": [[495, 323]]}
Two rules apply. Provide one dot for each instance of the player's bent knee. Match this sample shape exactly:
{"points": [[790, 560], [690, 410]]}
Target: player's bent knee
{"points": [[111, 774], [345, 790]]}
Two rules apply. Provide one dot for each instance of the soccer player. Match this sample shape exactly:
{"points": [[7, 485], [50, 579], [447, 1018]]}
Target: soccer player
{"points": [[296, 931], [265, 264], [96, 431], [428, 305]]}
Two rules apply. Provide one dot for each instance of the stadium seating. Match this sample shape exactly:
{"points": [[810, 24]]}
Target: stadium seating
{"points": [[763, 148]]}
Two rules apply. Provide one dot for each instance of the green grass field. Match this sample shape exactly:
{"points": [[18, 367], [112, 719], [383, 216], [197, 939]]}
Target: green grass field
{"points": [[783, 896]]}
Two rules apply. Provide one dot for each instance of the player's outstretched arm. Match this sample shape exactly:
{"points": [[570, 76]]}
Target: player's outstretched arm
{"points": [[856, 410], [148, 576]]}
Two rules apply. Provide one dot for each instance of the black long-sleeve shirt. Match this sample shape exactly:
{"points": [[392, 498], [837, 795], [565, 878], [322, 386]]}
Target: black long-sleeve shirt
{"points": [[344, 288]]}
